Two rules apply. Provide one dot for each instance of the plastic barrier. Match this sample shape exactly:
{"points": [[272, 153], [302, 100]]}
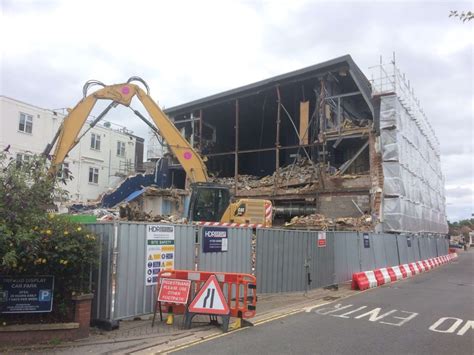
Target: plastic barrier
{"points": [[239, 291], [369, 279]]}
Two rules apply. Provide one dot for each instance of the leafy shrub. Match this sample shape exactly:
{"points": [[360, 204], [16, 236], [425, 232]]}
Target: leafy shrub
{"points": [[35, 242]]}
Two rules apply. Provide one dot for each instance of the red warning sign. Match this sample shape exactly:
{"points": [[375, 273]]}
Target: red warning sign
{"points": [[174, 291], [210, 299], [321, 239]]}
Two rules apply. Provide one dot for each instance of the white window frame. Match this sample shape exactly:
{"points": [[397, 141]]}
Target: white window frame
{"points": [[61, 174], [93, 175], [95, 141], [26, 121], [120, 149]]}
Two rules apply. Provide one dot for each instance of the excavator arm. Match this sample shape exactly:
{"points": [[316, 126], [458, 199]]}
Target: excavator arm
{"points": [[123, 94], [209, 202]]}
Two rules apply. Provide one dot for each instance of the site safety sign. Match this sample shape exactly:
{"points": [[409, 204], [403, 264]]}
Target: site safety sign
{"points": [[174, 291], [159, 251], [210, 299]]}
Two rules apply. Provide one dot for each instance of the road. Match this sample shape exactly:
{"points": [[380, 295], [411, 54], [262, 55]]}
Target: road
{"points": [[431, 313]]}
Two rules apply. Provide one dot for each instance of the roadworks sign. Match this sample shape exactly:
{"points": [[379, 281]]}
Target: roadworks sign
{"points": [[210, 299]]}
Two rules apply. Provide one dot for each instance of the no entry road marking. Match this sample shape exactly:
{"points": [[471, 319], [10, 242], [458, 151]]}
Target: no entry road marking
{"points": [[393, 317]]}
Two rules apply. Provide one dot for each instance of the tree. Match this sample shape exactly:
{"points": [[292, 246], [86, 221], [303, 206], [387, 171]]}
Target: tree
{"points": [[34, 242], [463, 16]]}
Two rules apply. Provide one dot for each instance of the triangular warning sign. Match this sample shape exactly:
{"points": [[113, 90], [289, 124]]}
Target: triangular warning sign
{"points": [[210, 299]]}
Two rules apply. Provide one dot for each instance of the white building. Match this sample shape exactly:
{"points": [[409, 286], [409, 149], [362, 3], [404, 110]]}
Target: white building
{"points": [[103, 158]]}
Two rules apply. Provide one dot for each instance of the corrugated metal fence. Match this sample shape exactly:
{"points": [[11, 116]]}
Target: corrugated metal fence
{"points": [[290, 260], [283, 260], [119, 280]]}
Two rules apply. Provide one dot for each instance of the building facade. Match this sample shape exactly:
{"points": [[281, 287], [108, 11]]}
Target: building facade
{"points": [[104, 156]]}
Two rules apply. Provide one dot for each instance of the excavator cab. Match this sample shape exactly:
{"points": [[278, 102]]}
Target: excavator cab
{"points": [[208, 201]]}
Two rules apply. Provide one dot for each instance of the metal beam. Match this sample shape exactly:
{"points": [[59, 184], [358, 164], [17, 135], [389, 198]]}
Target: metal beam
{"points": [[348, 163], [236, 153], [277, 138], [343, 95]]}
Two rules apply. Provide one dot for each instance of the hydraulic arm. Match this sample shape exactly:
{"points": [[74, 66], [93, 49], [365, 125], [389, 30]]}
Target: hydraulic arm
{"points": [[123, 94]]}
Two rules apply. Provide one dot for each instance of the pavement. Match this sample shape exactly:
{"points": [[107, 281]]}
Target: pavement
{"points": [[138, 336], [431, 313]]}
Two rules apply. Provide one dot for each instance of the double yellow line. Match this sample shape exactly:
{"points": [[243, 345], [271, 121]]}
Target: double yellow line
{"points": [[219, 335]]}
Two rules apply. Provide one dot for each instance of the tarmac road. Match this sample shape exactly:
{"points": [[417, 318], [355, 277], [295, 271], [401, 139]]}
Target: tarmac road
{"points": [[431, 313]]}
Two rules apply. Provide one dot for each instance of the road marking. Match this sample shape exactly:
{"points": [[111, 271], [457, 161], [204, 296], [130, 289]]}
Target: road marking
{"points": [[344, 315], [454, 326], [336, 308], [310, 308], [374, 315], [469, 325], [404, 319]]}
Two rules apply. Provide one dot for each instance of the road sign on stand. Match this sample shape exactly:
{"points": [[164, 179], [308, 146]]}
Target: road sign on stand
{"points": [[210, 299]]}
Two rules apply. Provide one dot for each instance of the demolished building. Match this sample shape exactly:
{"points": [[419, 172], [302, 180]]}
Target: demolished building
{"points": [[323, 141]]}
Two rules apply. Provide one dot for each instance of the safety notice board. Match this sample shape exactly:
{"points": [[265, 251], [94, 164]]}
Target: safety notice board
{"points": [[160, 248], [214, 239]]}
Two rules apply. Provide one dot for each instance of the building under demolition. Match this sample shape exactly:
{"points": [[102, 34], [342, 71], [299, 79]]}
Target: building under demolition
{"points": [[324, 141]]}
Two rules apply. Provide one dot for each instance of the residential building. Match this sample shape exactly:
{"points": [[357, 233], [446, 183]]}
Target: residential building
{"points": [[104, 156]]}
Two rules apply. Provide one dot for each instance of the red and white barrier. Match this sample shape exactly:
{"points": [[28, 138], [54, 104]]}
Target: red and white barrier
{"points": [[373, 278], [228, 224]]}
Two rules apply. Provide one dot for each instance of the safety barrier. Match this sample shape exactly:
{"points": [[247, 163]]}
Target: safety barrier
{"points": [[239, 290], [373, 278], [229, 224]]}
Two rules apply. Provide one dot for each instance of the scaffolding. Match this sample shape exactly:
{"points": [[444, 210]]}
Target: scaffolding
{"points": [[413, 190]]}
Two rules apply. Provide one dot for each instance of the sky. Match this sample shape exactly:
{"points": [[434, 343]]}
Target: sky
{"points": [[187, 50]]}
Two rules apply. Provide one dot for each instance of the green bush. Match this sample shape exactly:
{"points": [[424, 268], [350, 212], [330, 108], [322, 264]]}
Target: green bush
{"points": [[35, 242]]}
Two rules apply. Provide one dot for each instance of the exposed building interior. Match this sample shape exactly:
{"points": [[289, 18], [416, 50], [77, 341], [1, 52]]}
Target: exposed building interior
{"points": [[305, 140]]}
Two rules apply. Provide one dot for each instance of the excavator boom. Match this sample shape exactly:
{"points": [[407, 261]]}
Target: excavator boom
{"points": [[123, 94]]}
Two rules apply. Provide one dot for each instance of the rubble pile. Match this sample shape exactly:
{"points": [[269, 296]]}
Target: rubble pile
{"points": [[301, 173], [321, 222], [129, 213]]}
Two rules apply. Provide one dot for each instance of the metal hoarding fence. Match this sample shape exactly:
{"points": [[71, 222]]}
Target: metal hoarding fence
{"points": [[120, 279], [283, 260], [292, 260], [347, 256], [102, 273], [232, 254]]}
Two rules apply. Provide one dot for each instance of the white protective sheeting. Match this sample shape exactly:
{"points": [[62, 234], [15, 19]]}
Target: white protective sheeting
{"points": [[414, 198]]}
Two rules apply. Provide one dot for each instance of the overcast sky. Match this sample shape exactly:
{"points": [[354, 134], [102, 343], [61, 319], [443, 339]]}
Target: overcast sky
{"points": [[186, 50]]}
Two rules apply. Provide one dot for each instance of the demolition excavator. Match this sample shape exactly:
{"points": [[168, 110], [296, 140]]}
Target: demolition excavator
{"points": [[209, 202]]}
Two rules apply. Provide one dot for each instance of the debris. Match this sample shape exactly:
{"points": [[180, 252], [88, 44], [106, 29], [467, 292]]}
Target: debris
{"points": [[302, 172], [320, 222]]}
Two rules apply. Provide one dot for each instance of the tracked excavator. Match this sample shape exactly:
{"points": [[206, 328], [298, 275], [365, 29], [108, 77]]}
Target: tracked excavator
{"points": [[209, 202]]}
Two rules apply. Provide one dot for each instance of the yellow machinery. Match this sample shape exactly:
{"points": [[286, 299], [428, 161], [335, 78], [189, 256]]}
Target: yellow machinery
{"points": [[209, 202]]}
